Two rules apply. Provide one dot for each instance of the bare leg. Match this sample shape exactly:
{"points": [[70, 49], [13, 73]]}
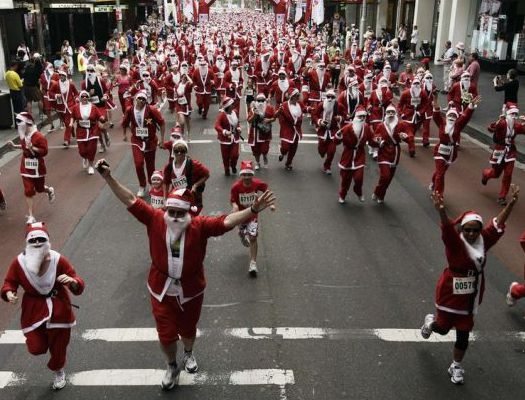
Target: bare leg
{"points": [[170, 352], [188, 343], [29, 201]]}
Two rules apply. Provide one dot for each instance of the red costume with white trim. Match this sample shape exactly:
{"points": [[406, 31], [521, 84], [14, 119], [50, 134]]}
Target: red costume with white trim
{"points": [[87, 130]]}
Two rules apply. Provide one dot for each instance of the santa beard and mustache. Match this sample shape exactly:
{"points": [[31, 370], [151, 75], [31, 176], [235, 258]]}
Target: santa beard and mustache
{"points": [[260, 107], [177, 226], [34, 256]]}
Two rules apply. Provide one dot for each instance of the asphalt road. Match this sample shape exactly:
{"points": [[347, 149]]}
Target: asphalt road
{"points": [[358, 279]]}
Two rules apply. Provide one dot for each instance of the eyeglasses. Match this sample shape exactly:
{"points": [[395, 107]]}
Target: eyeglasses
{"points": [[140, 99], [84, 97], [260, 100], [176, 213], [471, 230], [180, 151], [37, 240], [330, 97]]}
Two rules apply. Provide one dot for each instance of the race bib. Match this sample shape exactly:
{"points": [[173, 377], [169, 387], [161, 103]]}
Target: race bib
{"points": [[305, 88], [84, 123], [142, 133], [157, 201], [246, 199], [445, 150], [415, 102], [466, 285], [498, 155], [337, 66], [220, 75], [179, 183], [182, 101], [95, 99], [249, 92], [31, 163], [59, 99]]}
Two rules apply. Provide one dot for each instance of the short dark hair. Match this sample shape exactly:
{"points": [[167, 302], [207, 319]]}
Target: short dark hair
{"points": [[513, 74], [474, 55]]}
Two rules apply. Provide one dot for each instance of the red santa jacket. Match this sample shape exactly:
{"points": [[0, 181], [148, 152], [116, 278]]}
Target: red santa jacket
{"points": [[326, 131], [184, 177], [380, 99], [461, 285], [412, 109], [366, 91], [255, 134], [63, 102], [296, 69], [447, 148], [244, 196], [461, 99], [203, 84], [32, 164], [152, 90], [37, 308], [87, 124], [45, 83], [389, 140], [263, 73], [504, 140], [290, 126], [233, 83], [226, 132], [143, 135], [317, 88], [351, 55], [277, 93], [354, 155], [192, 250], [347, 105], [170, 82]]}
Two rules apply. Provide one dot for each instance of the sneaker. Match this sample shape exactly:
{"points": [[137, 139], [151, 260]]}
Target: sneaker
{"points": [[51, 194], [252, 269], [511, 301], [234, 170], [362, 199], [102, 148], [327, 171], [60, 380], [456, 372], [257, 166], [50, 130], [91, 170], [171, 377], [65, 144], [426, 329], [85, 163], [30, 219], [141, 192], [244, 240], [377, 199], [484, 180], [189, 362], [288, 168], [281, 157], [341, 200], [431, 186], [502, 201]]}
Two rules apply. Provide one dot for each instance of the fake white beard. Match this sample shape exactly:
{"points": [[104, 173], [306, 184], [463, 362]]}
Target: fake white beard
{"points": [[92, 77], [354, 91], [415, 92], [357, 125], [174, 60], [221, 65], [449, 126], [428, 85], [203, 69], [283, 85], [183, 70], [21, 130], [386, 73], [177, 226], [232, 119], [146, 81], [510, 122], [175, 77], [320, 75], [85, 110], [465, 84], [476, 250], [260, 108], [35, 255], [391, 122], [64, 86], [180, 89]]}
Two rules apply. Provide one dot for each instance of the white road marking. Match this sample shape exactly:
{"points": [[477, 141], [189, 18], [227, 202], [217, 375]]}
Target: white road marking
{"points": [[9, 378], [414, 335], [12, 337]]}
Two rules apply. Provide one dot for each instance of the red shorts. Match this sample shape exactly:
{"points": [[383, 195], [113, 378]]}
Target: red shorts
{"points": [[172, 321], [33, 186], [446, 320]]}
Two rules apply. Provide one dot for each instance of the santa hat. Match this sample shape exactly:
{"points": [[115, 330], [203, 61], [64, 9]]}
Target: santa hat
{"points": [[391, 108], [36, 230], [330, 92], [157, 174], [25, 117], [181, 198], [63, 70], [235, 62], [460, 46], [227, 102], [465, 74], [360, 111], [246, 168], [82, 93], [387, 66], [260, 96], [468, 216], [124, 66], [141, 94], [511, 108], [351, 81], [180, 142], [281, 71], [176, 132], [428, 74], [416, 80], [451, 111], [293, 92]]}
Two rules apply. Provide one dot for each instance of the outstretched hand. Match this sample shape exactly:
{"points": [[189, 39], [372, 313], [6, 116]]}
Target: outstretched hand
{"points": [[476, 100], [514, 192], [437, 199], [267, 199], [103, 168]]}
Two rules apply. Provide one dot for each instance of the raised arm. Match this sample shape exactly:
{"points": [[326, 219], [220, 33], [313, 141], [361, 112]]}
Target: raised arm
{"points": [[439, 204], [267, 199], [122, 192], [504, 214]]}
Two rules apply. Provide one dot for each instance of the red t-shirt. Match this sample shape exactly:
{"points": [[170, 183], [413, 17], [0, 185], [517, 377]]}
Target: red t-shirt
{"points": [[244, 196]]}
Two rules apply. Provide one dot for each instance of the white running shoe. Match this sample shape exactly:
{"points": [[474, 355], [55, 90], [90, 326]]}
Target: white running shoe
{"points": [[91, 170], [30, 219], [431, 186], [426, 329], [141, 192], [252, 269], [327, 171], [362, 199], [189, 362], [60, 380], [456, 372], [171, 377], [341, 200], [257, 166], [377, 199], [51, 194], [511, 301], [85, 163]]}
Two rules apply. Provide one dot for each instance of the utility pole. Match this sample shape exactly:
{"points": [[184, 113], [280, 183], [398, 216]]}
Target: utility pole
{"points": [[362, 24], [118, 14]]}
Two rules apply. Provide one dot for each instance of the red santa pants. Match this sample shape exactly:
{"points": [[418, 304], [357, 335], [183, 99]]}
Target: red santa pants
{"points": [[88, 148], [327, 148], [174, 320], [289, 149], [259, 148], [445, 321], [203, 102], [2, 198], [33, 186], [230, 155], [55, 340], [65, 117], [495, 172], [426, 131], [171, 105], [140, 157], [346, 180], [438, 178], [386, 174], [518, 291]]}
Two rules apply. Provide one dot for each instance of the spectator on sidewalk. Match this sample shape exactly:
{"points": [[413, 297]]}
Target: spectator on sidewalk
{"points": [[446, 59], [456, 71], [23, 52], [402, 38], [67, 55], [509, 86], [32, 72], [414, 39], [473, 68], [15, 87]]}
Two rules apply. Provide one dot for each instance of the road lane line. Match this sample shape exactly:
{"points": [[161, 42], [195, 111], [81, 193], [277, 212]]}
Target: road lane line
{"points": [[9, 378]]}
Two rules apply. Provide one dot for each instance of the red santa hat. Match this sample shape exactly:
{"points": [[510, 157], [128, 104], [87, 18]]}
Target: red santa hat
{"points": [[451, 111], [176, 132], [25, 117], [63, 70], [360, 111], [227, 102], [181, 198], [141, 94], [83, 93], [293, 92], [157, 174], [465, 74], [36, 230], [468, 216], [282, 71], [391, 107], [260, 96], [246, 168], [330, 92], [416, 81], [511, 108], [180, 142]]}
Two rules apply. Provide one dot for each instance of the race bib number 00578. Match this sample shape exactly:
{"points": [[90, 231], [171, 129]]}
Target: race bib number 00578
{"points": [[466, 285]]}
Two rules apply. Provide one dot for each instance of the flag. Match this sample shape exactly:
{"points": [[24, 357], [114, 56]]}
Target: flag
{"points": [[308, 11], [298, 11], [318, 11], [187, 10]]}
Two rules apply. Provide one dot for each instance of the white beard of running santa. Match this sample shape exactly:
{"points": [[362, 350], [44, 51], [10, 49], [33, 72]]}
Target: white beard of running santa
{"points": [[92, 77], [177, 226], [428, 85], [283, 84], [391, 123], [260, 108], [34, 255], [203, 69], [510, 123], [357, 126], [328, 109], [320, 76], [465, 84], [415, 91], [449, 126]]}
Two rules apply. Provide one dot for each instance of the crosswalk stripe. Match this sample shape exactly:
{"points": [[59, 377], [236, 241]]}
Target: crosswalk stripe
{"points": [[279, 333], [8, 378]]}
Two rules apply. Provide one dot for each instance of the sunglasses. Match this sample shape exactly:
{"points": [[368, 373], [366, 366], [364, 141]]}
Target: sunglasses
{"points": [[176, 213], [260, 101], [84, 97], [145, 76], [471, 230], [18, 121], [179, 151], [330, 97], [140, 99], [37, 240]]}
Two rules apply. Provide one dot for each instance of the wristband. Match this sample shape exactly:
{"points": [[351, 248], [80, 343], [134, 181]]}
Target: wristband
{"points": [[253, 210]]}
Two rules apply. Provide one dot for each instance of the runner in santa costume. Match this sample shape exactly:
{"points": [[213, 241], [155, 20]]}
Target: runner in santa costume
{"points": [[203, 80], [176, 281], [88, 120], [354, 136], [319, 80], [46, 277], [260, 117], [242, 196], [503, 157], [264, 73], [446, 151], [327, 119], [183, 105], [412, 108], [430, 89], [280, 87], [353, 53], [184, 172], [147, 85], [46, 79], [296, 65], [170, 82], [349, 100], [390, 76], [233, 82], [219, 70], [32, 165], [388, 136], [229, 135], [64, 93], [156, 191], [144, 121], [123, 82], [462, 92], [290, 115], [516, 290], [460, 288]]}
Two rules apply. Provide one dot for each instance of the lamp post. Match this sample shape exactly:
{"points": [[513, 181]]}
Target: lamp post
{"points": [[362, 24]]}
